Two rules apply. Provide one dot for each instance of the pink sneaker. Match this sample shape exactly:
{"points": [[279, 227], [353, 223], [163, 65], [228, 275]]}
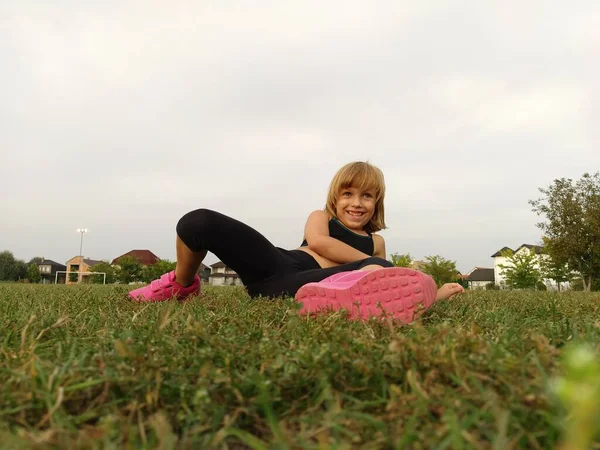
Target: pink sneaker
{"points": [[164, 289], [336, 277], [397, 291]]}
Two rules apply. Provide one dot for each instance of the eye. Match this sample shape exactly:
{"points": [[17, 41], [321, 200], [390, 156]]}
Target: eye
{"points": [[368, 195], [346, 194]]}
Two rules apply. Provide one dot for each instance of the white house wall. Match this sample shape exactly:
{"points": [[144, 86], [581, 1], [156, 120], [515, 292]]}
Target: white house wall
{"points": [[500, 280], [478, 284], [222, 281]]}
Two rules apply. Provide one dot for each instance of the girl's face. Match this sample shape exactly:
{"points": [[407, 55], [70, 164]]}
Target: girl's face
{"points": [[355, 208]]}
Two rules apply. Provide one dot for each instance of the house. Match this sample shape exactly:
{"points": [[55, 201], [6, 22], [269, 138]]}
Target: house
{"points": [[144, 257], [418, 265], [48, 269], [502, 260], [221, 275], [204, 273], [538, 250], [81, 265], [479, 277]]}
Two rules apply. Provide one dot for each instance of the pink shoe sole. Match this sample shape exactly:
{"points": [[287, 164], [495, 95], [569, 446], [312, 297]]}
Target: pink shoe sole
{"points": [[334, 277], [343, 276], [402, 293]]}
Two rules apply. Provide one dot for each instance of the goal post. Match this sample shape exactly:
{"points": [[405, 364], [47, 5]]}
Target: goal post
{"points": [[68, 272]]}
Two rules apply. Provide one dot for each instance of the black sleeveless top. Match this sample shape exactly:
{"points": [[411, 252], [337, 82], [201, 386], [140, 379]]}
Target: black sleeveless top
{"points": [[338, 231]]}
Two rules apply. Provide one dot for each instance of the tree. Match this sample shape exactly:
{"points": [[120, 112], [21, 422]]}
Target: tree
{"points": [[576, 284], [21, 270], [36, 260], [399, 260], [442, 270], [11, 269], [521, 271], [553, 270], [33, 273], [7, 266], [105, 267], [572, 226], [129, 270], [154, 271]]}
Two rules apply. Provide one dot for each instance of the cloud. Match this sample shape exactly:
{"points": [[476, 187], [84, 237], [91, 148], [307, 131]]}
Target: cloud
{"points": [[121, 117]]}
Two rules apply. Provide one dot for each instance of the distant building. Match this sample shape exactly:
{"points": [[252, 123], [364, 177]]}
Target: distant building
{"points": [[144, 257], [79, 265], [499, 260], [204, 273], [418, 265], [479, 277], [221, 275], [48, 269]]}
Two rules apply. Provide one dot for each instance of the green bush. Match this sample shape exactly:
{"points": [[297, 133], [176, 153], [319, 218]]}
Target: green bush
{"points": [[576, 284]]}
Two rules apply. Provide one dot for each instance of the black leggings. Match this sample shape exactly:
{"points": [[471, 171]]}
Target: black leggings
{"points": [[264, 269]]}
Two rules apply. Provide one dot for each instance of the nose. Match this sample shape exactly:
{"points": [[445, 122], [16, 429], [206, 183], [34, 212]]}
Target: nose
{"points": [[356, 200]]}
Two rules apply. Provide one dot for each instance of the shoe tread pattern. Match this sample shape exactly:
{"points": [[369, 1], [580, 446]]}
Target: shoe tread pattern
{"points": [[397, 291]]}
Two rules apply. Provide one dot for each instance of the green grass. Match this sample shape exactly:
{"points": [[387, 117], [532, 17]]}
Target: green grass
{"points": [[81, 367]]}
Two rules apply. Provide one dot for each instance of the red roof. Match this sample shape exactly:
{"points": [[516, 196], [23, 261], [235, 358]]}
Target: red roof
{"points": [[144, 257]]}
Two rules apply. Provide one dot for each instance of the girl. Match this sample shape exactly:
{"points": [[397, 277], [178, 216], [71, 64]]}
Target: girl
{"points": [[340, 264]]}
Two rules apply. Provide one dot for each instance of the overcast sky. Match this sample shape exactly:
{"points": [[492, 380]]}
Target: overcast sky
{"points": [[121, 116]]}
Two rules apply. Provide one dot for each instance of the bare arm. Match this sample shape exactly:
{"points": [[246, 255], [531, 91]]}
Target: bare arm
{"points": [[379, 244], [316, 233]]}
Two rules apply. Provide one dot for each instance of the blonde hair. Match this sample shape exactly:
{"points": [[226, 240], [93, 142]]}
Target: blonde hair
{"points": [[363, 176]]}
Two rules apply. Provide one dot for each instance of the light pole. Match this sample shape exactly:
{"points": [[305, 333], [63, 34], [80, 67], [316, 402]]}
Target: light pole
{"points": [[82, 231]]}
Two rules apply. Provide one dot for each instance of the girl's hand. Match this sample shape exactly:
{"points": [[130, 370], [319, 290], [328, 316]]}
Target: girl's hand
{"points": [[449, 290]]}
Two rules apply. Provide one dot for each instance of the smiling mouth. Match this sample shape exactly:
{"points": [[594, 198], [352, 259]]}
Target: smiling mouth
{"points": [[355, 214]]}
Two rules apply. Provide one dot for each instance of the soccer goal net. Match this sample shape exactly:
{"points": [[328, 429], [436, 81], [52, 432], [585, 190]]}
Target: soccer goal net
{"points": [[76, 277]]}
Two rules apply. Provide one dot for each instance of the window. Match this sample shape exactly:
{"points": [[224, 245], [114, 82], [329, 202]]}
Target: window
{"points": [[74, 267]]}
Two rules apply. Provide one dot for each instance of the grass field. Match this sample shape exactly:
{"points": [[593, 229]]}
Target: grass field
{"points": [[81, 367]]}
